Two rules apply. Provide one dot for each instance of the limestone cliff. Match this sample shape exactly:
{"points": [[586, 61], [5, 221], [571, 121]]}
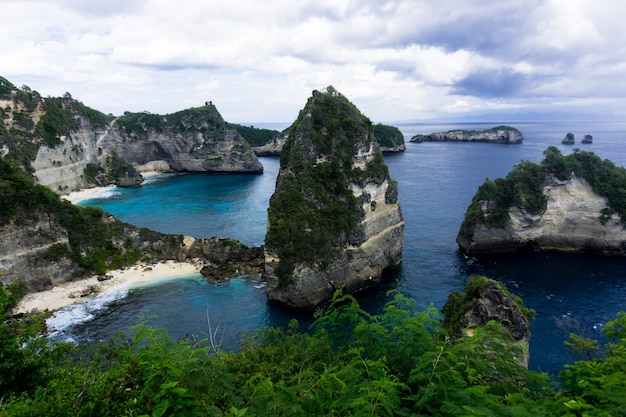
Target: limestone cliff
{"points": [[499, 134], [196, 139], [568, 213], [65, 144], [45, 240], [334, 220]]}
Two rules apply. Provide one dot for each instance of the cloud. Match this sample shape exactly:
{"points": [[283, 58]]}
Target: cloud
{"points": [[492, 83], [399, 59]]}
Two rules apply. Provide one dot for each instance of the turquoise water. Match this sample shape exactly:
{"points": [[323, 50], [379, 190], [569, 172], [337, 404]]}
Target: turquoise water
{"points": [[436, 180]]}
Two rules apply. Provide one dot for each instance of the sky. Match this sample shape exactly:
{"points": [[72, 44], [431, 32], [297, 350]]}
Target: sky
{"points": [[259, 61]]}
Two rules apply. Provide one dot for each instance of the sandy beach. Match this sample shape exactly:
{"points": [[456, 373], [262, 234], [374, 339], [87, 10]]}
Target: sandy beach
{"points": [[73, 292], [80, 195], [76, 291]]}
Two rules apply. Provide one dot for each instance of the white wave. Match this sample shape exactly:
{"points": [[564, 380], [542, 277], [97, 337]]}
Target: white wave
{"points": [[82, 312], [106, 193], [157, 178]]}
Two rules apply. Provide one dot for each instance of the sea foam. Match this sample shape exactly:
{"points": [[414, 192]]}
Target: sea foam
{"points": [[62, 320]]}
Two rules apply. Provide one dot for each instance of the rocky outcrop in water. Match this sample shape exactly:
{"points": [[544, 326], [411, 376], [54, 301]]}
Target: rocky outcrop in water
{"points": [[569, 139], [549, 207], [224, 258], [587, 139], [273, 147], [571, 222], [334, 221], [499, 134], [486, 300], [64, 143]]}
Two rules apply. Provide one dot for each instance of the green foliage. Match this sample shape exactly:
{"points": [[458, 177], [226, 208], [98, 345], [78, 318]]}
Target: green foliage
{"points": [[388, 136], [91, 171], [138, 124], [523, 187], [21, 368], [314, 211], [90, 236], [56, 121], [95, 117], [255, 136], [396, 363], [6, 86]]}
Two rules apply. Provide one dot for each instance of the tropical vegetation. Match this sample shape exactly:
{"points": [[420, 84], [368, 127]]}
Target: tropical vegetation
{"points": [[399, 362], [92, 235], [313, 210], [388, 136], [523, 187], [255, 136]]}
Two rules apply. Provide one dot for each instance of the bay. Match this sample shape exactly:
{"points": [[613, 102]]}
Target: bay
{"points": [[570, 292]]}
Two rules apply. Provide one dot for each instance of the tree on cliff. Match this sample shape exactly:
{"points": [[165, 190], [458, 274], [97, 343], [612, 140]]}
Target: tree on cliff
{"points": [[523, 187], [314, 212]]}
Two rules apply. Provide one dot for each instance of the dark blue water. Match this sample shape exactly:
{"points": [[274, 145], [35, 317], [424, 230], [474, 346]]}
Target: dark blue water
{"points": [[570, 292]]}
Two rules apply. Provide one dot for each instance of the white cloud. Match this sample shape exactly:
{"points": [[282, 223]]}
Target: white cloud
{"points": [[259, 61]]}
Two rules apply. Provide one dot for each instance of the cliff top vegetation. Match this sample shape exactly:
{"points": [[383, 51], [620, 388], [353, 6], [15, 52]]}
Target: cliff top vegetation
{"points": [[97, 242], [32, 120], [523, 187], [313, 210]]}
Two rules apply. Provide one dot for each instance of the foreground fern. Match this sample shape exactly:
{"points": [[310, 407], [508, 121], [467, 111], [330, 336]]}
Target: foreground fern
{"points": [[351, 362]]}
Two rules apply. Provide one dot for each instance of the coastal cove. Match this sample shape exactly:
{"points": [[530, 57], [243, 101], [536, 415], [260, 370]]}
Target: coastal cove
{"points": [[436, 182]]}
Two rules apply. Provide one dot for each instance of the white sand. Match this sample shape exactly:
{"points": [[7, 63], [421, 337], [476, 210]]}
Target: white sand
{"points": [[78, 196], [59, 296]]}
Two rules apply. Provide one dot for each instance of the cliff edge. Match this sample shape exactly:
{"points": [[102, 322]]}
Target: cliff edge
{"points": [[334, 220], [572, 203], [68, 146]]}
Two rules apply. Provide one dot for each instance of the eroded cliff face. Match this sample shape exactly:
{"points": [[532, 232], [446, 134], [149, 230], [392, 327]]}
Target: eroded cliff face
{"points": [[61, 168], [55, 139], [194, 140], [24, 249], [573, 221], [334, 220]]}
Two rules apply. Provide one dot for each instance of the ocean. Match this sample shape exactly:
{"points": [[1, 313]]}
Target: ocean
{"points": [[570, 292]]}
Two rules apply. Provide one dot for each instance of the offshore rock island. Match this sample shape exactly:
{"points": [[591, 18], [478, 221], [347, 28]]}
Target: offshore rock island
{"points": [[498, 134], [573, 203], [334, 221]]}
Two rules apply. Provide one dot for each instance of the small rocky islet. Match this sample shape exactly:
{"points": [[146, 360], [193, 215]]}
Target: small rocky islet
{"points": [[499, 134]]}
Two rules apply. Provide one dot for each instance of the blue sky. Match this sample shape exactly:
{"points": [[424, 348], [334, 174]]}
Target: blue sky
{"points": [[258, 61]]}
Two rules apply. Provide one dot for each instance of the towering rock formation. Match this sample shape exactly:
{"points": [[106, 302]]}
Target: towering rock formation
{"points": [[334, 220], [555, 206]]}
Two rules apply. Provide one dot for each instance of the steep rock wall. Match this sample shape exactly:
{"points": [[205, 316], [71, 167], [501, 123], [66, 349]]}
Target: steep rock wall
{"points": [[334, 218], [570, 223], [196, 140], [61, 168]]}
